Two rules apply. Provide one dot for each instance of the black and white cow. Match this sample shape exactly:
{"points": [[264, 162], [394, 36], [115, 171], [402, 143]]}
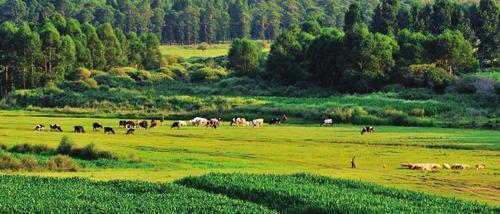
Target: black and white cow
{"points": [[367, 129], [96, 126], [79, 129], [55, 127], [275, 121], [39, 128], [130, 131]]}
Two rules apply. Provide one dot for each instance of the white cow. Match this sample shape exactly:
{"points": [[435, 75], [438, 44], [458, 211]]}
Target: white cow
{"points": [[327, 122], [257, 122], [199, 121]]}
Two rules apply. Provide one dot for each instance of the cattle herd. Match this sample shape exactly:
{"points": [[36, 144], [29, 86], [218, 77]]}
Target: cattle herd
{"points": [[131, 126], [214, 123]]}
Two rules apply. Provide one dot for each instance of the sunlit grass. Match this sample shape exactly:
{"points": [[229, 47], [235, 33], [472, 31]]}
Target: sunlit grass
{"points": [[172, 154]]}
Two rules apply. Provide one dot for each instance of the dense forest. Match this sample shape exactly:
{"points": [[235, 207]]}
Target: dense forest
{"points": [[343, 45]]}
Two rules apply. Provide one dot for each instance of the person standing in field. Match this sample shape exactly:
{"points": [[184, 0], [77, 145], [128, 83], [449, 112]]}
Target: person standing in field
{"points": [[162, 120], [353, 164]]}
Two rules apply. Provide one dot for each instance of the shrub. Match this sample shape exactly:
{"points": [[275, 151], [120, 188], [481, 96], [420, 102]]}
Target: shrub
{"points": [[30, 163], [8, 162], [3, 146], [207, 73], [417, 112], [475, 84], [89, 152], [62, 163], [28, 148], [22, 148], [65, 145], [388, 112], [80, 74]]}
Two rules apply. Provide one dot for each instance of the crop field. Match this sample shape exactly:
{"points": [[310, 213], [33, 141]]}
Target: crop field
{"points": [[167, 155], [221, 193]]}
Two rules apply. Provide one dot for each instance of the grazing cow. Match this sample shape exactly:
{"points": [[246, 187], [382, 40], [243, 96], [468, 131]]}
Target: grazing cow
{"points": [[327, 122], [55, 127], [143, 124], [284, 119], [175, 124], [178, 124], [238, 121], [154, 124], [480, 166], [199, 121], [96, 126], [109, 130], [367, 129], [459, 166], [446, 166], [247, 123], [275, 121], [122, 124], [130, 131], [79, 129], [258, 122], [214, 122], [131, 124], [39, 128]]}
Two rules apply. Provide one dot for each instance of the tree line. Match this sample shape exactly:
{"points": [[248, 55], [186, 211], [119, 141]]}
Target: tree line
{"points": [[389, 51], [187, 21], [195, 21], [33, 54]]}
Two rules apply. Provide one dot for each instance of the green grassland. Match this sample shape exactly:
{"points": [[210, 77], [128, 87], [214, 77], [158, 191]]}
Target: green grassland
{"points": [[168, 155], [189, 51], [214, 50]]}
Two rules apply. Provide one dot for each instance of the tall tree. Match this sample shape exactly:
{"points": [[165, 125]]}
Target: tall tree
{"points": [[385, 19], [95, 47], [322, 55], [367, 59], [487, 23], [441, 15], [151, 55], [454, 53], [353, 16], [13, 10], [240, 19], [112, 47], [245, 57]]}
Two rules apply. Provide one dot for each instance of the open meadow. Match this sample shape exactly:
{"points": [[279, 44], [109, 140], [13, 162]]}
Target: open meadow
{"points": [[164, 155]]}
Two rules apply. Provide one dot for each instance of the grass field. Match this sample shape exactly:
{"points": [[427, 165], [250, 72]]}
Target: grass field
{"points": [[174, 154], [191, 51], [188, 51]]}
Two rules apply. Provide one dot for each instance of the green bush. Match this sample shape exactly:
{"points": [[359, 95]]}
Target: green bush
{"points": [[207, 73], [35, 149], [65, 145], [417, 112], [79, 74]]}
